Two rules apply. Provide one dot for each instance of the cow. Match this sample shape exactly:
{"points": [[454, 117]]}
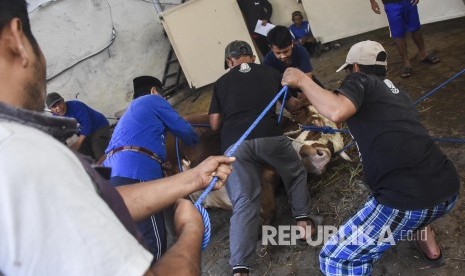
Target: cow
{"points": [[314, 149]]}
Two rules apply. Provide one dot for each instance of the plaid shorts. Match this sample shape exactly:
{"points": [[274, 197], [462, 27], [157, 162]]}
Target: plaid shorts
{"points": [[375, 228]]}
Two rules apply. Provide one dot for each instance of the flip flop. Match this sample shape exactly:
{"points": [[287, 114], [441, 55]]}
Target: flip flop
{"points": [[438, 262], [430, 59], [405, 72]]}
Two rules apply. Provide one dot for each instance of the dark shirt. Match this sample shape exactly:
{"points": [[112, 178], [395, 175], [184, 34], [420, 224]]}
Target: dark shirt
{"points": [[402, 165], [254, 10], [300, 60], [240, 96]]}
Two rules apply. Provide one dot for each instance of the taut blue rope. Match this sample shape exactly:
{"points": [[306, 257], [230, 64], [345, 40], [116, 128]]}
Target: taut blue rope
{"points": [[198, 203], [449, 140], [439, 87]]}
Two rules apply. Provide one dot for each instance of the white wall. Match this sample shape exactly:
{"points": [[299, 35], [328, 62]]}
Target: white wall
{"points": [[335, 19], [70, 30]]}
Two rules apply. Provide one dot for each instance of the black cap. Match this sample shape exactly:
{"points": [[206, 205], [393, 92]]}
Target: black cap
{"points": [[53, 98], [143, 84], [236, 49]]}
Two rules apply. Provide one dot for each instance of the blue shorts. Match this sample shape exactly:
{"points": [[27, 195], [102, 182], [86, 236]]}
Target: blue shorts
{"points": [[403, 17]]}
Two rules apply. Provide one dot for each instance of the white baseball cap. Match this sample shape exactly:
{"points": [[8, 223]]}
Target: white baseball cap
{"points": [[364, 53]]}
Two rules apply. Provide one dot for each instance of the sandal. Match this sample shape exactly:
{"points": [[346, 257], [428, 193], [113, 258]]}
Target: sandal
{"points": [[405, 72], [430, 59]]}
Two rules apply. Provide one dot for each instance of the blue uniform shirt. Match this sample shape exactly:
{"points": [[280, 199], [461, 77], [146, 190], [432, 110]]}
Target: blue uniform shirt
{"points": [[300, 60], [144, 124], [302, 31], [89, 120]]}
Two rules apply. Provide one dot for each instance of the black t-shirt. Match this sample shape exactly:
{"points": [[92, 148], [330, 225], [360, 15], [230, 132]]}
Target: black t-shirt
{"points": [[402, 165], [240, 96], [253, 10]]}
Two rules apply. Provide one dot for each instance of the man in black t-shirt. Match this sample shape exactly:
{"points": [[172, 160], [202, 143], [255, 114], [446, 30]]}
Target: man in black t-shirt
{"points": [[412, 181], [239, 96], [254, 10]]}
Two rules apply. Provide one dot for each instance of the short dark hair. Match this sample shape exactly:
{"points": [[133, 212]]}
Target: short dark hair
{"points": [[280, 37], [10, 9], [377, 70]]}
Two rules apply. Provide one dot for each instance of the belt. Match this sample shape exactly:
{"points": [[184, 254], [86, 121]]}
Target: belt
{"points": [[142, 150]]}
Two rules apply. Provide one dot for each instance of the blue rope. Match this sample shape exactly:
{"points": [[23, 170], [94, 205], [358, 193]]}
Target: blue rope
{"points": [[439, 87], [324, 129], [198, 203], [200, 125], [449, 140], [346, 147], [178, 155], [282, 106]]}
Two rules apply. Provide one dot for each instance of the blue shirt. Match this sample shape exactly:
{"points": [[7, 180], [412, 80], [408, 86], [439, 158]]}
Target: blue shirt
{"points": [[89, 120], [144, 124], [302, 31], [300, 60]]}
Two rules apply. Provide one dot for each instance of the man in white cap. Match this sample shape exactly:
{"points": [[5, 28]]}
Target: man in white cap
{"points": [[412, 181]]}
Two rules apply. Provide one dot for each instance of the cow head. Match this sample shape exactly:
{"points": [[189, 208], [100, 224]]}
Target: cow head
{"points": [[314, 148]]}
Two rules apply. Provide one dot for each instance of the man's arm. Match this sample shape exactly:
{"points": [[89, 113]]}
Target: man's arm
{"points": [[77, 145], [183, 258], [334, 106], [146, 198]]}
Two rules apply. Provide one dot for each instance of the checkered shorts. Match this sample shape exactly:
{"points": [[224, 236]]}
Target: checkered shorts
{"points": [[375, 228]]}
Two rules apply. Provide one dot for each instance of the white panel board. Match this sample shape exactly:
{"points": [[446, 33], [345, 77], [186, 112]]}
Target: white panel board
{"points": [[199, 30], [335, 19]]}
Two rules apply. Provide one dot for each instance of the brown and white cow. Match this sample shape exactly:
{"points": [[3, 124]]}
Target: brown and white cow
{"points": [[314, 149]]}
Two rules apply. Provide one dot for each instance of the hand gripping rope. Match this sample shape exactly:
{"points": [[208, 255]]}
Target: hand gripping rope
{"points": [[198, 203]]}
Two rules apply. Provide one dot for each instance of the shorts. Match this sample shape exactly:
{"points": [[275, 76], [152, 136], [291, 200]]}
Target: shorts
{"points": [[403, 17]]}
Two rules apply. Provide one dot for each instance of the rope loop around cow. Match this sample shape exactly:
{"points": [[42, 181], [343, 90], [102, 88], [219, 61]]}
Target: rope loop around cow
{"points": [[324, 129], [198, 203]]}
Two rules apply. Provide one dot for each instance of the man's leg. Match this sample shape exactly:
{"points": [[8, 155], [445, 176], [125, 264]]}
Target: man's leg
{"points": [[243, 187], [99, 141], [398, 27], [279, 153], [401, 44], [375, 228], [153, 228], [417, 37], [412, 21]]}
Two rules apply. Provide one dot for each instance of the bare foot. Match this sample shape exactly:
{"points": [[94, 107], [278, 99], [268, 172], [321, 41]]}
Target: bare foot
{"points": [[426, 241]]}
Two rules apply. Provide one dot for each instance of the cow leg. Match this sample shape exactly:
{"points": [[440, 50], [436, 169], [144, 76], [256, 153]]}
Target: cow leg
{"points": [[270, 181]]}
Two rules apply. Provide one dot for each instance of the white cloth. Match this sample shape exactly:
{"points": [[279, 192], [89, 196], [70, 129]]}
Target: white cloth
{"points": [[52, 221]]}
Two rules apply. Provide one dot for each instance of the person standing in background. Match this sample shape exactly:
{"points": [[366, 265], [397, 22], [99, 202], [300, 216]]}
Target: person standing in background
{"points": [[254, 10], [403, 17]]}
